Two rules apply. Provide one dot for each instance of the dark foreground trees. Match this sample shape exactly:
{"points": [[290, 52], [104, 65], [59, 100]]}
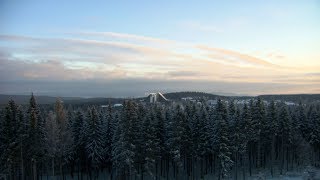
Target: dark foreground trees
{"points": [[136, 141]]}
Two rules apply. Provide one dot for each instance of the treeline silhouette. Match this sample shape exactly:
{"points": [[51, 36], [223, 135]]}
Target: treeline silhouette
{"points": [[156, 141]]}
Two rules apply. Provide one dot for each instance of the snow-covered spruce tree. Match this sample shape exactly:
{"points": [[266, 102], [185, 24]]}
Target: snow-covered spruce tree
{"points": [[190, 110], [221, 143], [201, 140], [231, 115], [36, 139], [160, 138], [196, 132], [64, 136], [150, 145], [302, 120], [284, 133], [94, 140], [78, 141], [12, 136], [258, 123], [123, 150], [237, 138], [265, 137], [137, 136], [314, 136], [51, 128], [241, 145], [71, 114], [108, 130], [169, 129], [7, 136], [186, 143], [273, 130], [116, 145], [174, 142], [297, 141], [246, 132]]}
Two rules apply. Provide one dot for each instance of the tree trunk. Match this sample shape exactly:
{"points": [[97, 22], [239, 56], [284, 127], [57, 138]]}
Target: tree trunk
{"points": [[272, 155], [52, 164], [287, 158], [236, 166], [250, 171], [22, 166], [258, 165], [34, 169]]}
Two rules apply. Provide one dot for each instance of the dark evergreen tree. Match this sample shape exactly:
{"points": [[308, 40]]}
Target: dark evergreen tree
{"points": [[108, 135], [123, 148], [247, 132], [94, 140], [258, 123], [273, 130], [52, 140], [36, 139], [284, 133], [150, 145], [176, 132], [314, 136], [78, 142], [221, 141], [64, 144], [184, 140], [160, 135], [12, 135]]}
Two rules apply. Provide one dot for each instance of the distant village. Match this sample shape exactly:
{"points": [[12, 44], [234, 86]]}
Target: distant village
{"points": [[159, 98]]}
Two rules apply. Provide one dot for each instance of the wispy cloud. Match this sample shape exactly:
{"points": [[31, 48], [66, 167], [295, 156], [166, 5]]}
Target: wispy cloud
{"points": [[236, 56], [126, 56], [125, 36]]}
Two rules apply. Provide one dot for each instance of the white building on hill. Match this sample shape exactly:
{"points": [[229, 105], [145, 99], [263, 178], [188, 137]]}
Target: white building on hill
{"points": [[157, 97]]}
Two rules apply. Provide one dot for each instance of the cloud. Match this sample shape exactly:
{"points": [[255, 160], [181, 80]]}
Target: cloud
{"points": [[52, 70], [126, 37], [316, 74], [237, 56], [275, 55], [123, 57], [184, 74]]}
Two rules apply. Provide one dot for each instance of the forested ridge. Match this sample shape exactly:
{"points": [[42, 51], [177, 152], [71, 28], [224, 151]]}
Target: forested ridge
{"points": [[156, 141]]}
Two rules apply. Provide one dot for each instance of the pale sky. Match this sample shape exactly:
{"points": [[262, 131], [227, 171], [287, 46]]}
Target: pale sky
{"points": [[129, 48]]}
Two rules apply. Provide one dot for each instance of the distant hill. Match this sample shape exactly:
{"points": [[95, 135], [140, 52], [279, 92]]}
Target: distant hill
{"points": [[179, 95], [94, 101], [24, 99], [304, 98]]}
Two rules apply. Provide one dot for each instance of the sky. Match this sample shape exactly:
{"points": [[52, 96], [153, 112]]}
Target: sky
{"points": [[130, 48]]}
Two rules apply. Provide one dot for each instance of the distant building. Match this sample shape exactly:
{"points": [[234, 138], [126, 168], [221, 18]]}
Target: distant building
{"points": [[289, 103], [153, 97], [242, 101], [212, 102], [118, 105], [157, 97], [115, 105], [186, 98]]}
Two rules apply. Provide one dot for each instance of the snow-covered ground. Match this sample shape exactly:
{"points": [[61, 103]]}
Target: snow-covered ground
{"points": [[309, 173]]}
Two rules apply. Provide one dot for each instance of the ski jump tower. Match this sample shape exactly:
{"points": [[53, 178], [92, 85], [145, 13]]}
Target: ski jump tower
{"points": [[157, 97]]}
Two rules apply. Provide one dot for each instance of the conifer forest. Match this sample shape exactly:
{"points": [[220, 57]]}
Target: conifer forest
{"points": [[139, 141]]}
